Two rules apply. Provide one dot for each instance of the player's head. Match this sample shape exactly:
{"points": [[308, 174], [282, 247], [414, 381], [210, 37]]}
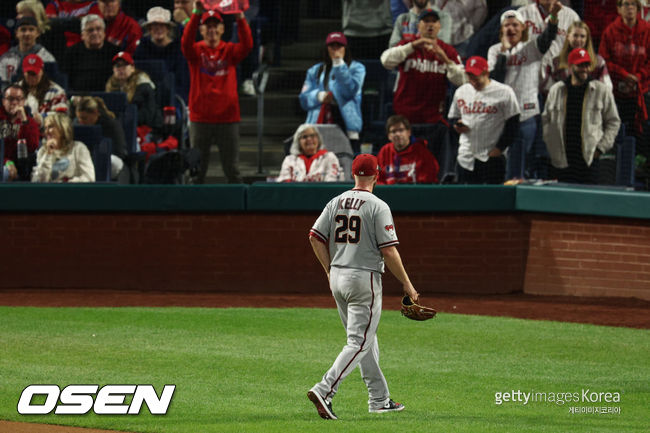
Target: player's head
{"points": [[365, 170], [398, 130], [513, 28], [429, 23], [477, 72]]}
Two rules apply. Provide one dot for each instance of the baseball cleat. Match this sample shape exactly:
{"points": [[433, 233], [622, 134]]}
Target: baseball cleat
{"points": [[390, 406], [324, 409]]}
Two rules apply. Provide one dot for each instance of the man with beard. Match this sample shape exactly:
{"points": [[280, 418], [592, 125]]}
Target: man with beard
{"points": [[580, 122]]}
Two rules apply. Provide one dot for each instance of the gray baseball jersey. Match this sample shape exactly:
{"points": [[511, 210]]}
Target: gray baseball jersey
{"points": [[355, 225]]}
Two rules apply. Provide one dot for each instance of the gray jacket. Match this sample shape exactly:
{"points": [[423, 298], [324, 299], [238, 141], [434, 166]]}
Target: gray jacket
{"points": [[600, 122]]}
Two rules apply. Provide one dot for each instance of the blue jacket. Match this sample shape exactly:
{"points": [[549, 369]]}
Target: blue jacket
{"points": [[345, 83]]}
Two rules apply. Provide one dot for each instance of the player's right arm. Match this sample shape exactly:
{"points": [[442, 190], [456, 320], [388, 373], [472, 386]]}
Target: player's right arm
{"points": [[394, 263], [322, 252]]}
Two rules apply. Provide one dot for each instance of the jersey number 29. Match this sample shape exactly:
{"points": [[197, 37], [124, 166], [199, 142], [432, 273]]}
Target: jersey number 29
{"points": [[348, 229]]}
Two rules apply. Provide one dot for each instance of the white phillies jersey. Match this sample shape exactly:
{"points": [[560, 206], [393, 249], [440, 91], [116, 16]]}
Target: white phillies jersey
{"points": [[485, 112], [523, 65], [355, 225], [324, 167], [536, 25]]}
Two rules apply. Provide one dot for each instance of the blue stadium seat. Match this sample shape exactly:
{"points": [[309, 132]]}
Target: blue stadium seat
{"points": [[55, 74], [625, 154], [100, 149]]}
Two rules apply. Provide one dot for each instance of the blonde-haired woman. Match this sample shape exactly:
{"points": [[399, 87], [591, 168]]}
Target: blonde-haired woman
{"points": [[308, 161], [557, 69], [60, 158]]}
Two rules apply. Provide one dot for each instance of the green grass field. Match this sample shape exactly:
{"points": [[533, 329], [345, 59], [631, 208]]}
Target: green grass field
{"points": [[248, 370]]}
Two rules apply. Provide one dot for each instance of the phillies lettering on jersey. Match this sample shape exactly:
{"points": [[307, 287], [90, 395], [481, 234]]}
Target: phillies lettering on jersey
{"points": [[213, 66], [476, 107], [425, 65]]}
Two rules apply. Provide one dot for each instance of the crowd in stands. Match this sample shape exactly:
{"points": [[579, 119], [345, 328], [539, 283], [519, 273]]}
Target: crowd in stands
{"points": [[477, 91]]}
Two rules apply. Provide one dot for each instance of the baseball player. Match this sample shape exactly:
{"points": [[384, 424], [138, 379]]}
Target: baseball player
{"points": [[352, 238]]}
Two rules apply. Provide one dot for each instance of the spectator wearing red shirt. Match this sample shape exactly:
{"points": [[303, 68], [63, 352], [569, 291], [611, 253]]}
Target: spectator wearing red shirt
{"points": [[71, 10], [121, 30], [16, 124], [625, 46], [213, 100], [405, 159]]}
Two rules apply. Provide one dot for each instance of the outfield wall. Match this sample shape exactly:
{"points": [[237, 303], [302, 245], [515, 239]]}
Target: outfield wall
{"points": [[254, 239]]}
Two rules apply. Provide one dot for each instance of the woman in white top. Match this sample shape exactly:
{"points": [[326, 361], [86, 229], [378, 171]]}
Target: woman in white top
{"points": [[60, 158], [308, 161]]}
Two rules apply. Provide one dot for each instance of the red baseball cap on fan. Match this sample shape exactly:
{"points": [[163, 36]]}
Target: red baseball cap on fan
{"points": [[365, 165], [579, 56], [211, 14], [124, 56], [336, 38], [476, 65], [33, 63]]}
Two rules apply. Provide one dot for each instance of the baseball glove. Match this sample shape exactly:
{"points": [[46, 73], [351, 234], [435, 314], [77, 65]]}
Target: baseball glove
{"points": [[414, 311]]}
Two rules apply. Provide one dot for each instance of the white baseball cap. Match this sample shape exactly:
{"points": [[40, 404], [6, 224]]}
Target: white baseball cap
{"points": [[512, 14]]}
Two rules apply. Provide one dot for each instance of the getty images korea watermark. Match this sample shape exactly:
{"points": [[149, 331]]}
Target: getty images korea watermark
{"points": [[585, 401]]}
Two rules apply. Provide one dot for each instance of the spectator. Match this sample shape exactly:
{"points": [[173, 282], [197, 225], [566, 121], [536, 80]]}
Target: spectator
{"points": [[308, 160], [367, 24], [16, 124], [467, 16], [44, 97], [213, 102], [578, 36], [625, 46], [182, 11], [598, 15], [406, 24], [405, 159], [139, 89], [91, 110], [537, 14], [332, 89], [580, 122], [68, 13], [424, 66], [89, 62], [161, 43], [121, 30], [486, 116], [5, 39], [52, 30], [516, 61], [27, 33], [61, 159]]}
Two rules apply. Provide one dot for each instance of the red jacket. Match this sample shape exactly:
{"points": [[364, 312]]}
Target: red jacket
{"points": [[415, 164], [124, 32], [12, 131], [626, 51], [213, 74]]}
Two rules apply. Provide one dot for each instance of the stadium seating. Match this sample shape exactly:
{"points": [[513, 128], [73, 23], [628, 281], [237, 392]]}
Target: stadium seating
{"points": [[100, 149]]}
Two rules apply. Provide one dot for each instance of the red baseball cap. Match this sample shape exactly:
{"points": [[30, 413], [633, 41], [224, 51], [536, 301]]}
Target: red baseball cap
{"points": [[336, 38], [33, 63], [211, 14], [476, 65], [578, 56], [123, 55], [365, 165]]}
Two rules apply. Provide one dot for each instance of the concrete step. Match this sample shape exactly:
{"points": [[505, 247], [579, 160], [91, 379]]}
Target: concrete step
{"points": [[317, 29], [275, 105], [283, 126]]}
